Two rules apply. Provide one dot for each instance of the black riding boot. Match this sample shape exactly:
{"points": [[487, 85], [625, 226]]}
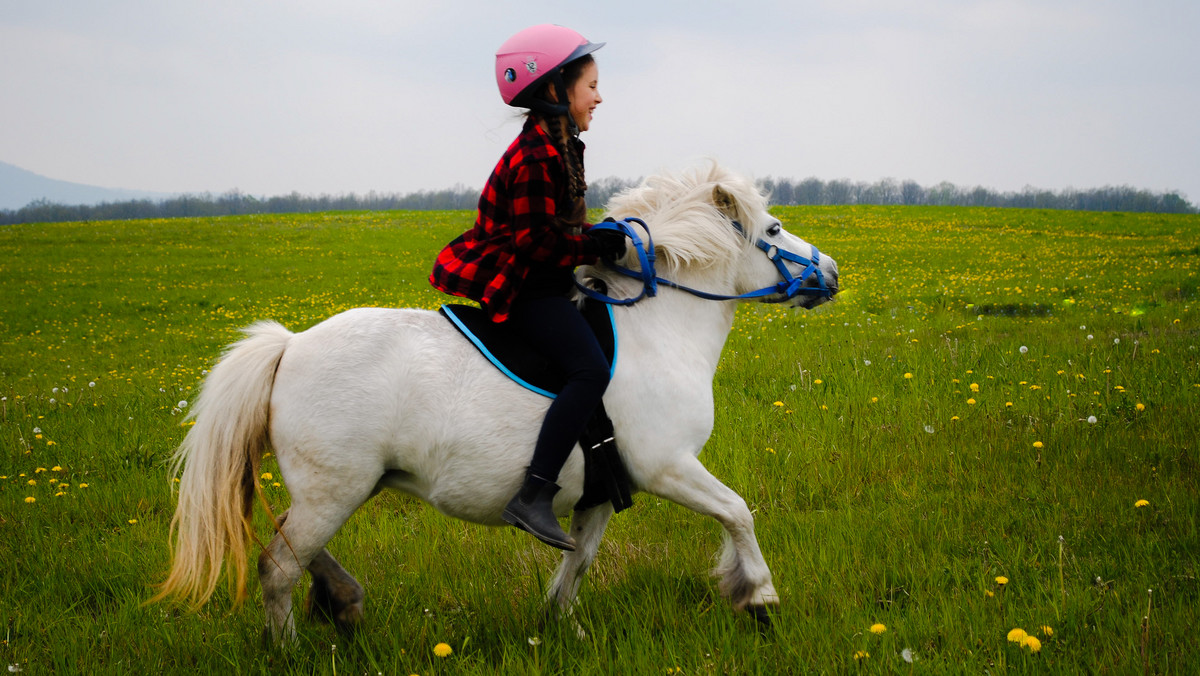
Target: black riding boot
{"points": [[532, 510]]}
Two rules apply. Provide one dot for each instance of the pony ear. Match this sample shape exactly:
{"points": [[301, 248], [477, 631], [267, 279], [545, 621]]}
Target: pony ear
{"points": [[724, 201]]}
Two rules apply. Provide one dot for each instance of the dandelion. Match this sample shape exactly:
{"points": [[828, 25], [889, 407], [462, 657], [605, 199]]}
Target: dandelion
{"points": [[866, 362], [132, 521], [1092, 419], [861, 655], [56, 468], [1001, 580], [907, 655], [908, 376], [442, 650], [31, 499], [989, 593], [778, 403], [818, 381], [1024, 349], [1017, 635], [32, 482], [971, 402], [266, 476], [92, 384], [1140, 406], [181, 404], [83, 485], [878, 628], [1037, 444], [1141, 503], [1116, 341], [1032, 643], [974, 387], [929, 429], [1046, 630]]}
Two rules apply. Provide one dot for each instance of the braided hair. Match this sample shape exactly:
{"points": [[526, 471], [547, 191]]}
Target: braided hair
{"points": [[565, 136]]}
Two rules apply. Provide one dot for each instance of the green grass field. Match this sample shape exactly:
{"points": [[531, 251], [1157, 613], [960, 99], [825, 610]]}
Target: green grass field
{"points": [[993, 396]]}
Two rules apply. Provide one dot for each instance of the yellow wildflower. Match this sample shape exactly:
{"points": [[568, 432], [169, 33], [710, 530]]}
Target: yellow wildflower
{"points": [[1017, 635], [861, 655], [1032, 643], [970, 402], [1142, 503], [31, 499], [266, 476], [1001, 580], [1140, 406], [878, 628], [908, 376], [1046, 630], [442, 650], [1037, 444]]}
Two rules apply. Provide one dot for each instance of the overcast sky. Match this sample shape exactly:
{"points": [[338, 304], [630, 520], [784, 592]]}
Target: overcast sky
{"points": [[396, 96]]}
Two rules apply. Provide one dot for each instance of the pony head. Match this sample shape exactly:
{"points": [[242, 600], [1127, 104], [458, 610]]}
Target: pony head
{"points": [[709, 225]]}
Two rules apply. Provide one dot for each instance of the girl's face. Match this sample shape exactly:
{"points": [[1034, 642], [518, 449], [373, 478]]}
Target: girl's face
{"points": [[584, 96]]}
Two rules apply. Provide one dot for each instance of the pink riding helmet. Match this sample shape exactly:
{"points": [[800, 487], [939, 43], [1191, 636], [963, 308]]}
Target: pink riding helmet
{"points": [[531, 57]]}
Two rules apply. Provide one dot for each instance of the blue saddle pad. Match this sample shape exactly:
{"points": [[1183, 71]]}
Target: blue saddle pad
{"points": [[515, 359]]}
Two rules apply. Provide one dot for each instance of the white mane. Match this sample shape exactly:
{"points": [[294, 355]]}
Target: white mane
{"points": [[689, 228]]}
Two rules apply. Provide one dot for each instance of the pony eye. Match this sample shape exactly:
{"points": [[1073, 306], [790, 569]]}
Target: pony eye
{"points": [[775, 229]]}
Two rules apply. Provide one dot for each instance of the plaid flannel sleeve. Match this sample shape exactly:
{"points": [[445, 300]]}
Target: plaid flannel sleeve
{"points": [[534, 210]]}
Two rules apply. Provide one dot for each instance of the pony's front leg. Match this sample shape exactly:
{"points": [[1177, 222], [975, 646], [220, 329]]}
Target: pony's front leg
{"points": [[587, 527], [744, 577]]}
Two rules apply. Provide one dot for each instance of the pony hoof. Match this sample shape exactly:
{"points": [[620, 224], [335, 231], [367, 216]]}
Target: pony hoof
{"points": [[762, 616]]}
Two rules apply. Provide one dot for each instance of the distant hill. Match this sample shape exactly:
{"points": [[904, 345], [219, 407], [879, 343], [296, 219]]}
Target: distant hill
{"points": [[19, 187]]}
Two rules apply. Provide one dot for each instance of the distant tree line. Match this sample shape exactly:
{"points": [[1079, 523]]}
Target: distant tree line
{"points": [[813, 191], [783, 191]]}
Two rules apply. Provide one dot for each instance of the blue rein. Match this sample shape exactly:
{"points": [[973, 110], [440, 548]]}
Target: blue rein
{"points": [[787, 288]]}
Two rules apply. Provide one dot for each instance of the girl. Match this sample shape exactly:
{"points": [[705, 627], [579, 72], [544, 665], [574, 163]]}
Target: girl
{"points": [[518, 260]]}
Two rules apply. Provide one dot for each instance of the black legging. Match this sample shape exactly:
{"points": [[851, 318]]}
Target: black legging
{"points": [[554, 327]]}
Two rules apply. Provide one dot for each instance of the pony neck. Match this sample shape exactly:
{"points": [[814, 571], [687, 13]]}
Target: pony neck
{"points": [[679, 327]]}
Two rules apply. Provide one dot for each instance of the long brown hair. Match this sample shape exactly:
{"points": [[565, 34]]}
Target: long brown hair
{"points": [[566, 140]]}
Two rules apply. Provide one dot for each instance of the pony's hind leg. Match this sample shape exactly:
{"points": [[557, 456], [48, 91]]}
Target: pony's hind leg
{"points": [[300, 543], [587, 528], [744, 577], [335, 595]]}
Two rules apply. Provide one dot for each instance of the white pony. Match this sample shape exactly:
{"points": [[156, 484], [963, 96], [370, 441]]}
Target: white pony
{"points": [[378, 398]]}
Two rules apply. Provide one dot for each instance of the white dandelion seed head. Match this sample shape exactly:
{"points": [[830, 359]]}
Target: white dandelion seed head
{"points": [[1082, 327], [1092, 419], [1090, 336], [535, 641], [37, 430], [53, 401], [92, 384], [907, 655], [866, 362], [1116, 341], [1024, 349], [929, 429], [182, 404], [54, 390]]}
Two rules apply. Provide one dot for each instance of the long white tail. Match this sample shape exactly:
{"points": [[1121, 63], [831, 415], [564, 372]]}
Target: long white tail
{"points": [[220, 459]]}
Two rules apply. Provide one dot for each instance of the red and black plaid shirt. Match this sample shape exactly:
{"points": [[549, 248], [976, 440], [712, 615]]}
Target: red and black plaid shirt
{"points": [[517, 227]]}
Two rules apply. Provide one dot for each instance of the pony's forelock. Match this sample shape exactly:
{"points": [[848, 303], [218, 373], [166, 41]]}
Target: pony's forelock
{"points": [[688, 228]]}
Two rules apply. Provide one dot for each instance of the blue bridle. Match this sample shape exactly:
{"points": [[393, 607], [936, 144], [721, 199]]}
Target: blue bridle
{"points": [[787, 288]]}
